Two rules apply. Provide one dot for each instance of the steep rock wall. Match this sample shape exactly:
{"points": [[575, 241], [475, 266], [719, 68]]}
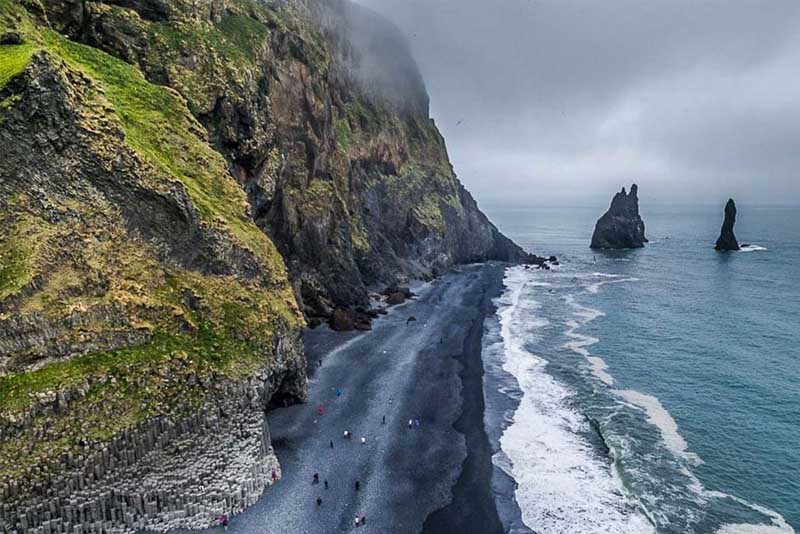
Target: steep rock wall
{"points": [[323, 117], [146, 322]]}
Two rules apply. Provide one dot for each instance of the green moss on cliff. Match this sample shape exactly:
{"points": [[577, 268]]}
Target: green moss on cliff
{"points": [[344, 134], [15, 270], [207, 349], [245, 33], [171, 374], [13, 59], [21, 246], [159, 126]]}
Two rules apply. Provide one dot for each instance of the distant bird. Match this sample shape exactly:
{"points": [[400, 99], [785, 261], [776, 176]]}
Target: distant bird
{"points": [[459, 122]]}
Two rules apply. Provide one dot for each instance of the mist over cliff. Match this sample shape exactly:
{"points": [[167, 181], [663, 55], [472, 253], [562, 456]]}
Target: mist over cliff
{"points": [[371, 51]]}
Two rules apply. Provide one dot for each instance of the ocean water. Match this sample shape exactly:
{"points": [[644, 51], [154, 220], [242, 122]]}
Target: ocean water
{"points": [[655, 390]]}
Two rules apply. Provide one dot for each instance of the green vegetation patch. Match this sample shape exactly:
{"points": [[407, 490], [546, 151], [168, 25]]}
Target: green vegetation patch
{"points": [[13, 60], [208, 349], [344, 134], [20, 246], [245, 33], [158, 126]]}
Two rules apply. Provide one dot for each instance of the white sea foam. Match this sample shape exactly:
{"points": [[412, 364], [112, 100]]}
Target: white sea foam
{"points": [[600, 370], [752, 248], [563, 486], [778, 523], [659, 417], [582, 342], [614, 279]]}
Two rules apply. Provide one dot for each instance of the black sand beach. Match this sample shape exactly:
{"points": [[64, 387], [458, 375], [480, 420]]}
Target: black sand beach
{"points": [[435, 477]]}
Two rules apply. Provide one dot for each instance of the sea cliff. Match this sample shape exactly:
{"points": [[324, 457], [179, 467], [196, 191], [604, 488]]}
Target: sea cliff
{"points": [[182, 184]]}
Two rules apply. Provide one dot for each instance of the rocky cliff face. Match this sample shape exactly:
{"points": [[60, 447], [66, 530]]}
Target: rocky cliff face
{"points": [[727, 240], [162, 163], [140, 305], [322, 117], [621, 226]]}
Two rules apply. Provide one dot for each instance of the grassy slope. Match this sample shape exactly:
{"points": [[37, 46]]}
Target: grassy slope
{"points": [[233, 323]]}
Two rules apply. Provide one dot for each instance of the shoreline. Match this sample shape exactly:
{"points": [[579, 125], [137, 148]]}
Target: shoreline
{"points": [[473, 507], [434, 478]]}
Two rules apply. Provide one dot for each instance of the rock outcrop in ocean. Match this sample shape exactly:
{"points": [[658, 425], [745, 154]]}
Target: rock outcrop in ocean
{"points": [[727, 239], [182, 183], [621, 226]]}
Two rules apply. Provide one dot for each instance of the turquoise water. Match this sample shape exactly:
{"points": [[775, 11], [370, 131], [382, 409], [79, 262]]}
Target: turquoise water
{"points": [[699, 399]]}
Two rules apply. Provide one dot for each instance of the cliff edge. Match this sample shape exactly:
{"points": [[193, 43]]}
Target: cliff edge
{"points": [[621, 226]]}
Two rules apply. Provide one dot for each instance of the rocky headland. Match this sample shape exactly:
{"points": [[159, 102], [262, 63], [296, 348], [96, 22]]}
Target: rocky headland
{"points": [[727, 240], [183, 185], [621, 227]]}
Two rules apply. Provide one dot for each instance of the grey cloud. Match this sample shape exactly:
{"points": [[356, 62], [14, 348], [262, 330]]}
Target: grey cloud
{"points": [[562, 101]]}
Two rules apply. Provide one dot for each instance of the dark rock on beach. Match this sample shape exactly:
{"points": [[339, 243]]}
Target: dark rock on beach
{"points": [[345, 319], [727, 240], [621, 226], [397, 295]]}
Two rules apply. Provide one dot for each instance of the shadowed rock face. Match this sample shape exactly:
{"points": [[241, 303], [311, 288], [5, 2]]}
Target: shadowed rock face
{"points": [[621, 226], [727, 240]]}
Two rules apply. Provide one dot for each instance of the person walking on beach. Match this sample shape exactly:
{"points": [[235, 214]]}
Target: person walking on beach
{"points": [[338, 392], [320, 410], [274, 476], [331, 444], [383, 421], [358, 521], [410, 423], [316, 478], [319, 502], [326, 483], [363, 440], [363, 519], [223, 521], [358, 485]]}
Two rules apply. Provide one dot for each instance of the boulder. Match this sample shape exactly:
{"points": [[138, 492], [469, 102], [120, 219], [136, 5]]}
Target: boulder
{"points": [[395, 298], [727, 240], [342, 320], [394, 288], [621, 227], [11, 38]]}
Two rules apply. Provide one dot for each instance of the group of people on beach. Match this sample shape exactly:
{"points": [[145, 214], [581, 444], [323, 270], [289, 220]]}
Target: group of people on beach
{"points": [[360, 519]]}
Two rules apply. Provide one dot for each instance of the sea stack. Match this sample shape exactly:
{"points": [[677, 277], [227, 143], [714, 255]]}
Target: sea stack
{"points": [[727, 240], [621, 226]]}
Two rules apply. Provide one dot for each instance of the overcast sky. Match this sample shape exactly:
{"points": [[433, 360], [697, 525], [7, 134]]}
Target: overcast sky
{"points": [[564, 102]]}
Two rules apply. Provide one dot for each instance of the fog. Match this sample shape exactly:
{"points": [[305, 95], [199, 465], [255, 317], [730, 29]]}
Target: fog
{"points": [[554, 101]]}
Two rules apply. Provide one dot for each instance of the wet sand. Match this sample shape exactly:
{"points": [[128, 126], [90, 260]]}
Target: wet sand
{"points": [[411, 479]]}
